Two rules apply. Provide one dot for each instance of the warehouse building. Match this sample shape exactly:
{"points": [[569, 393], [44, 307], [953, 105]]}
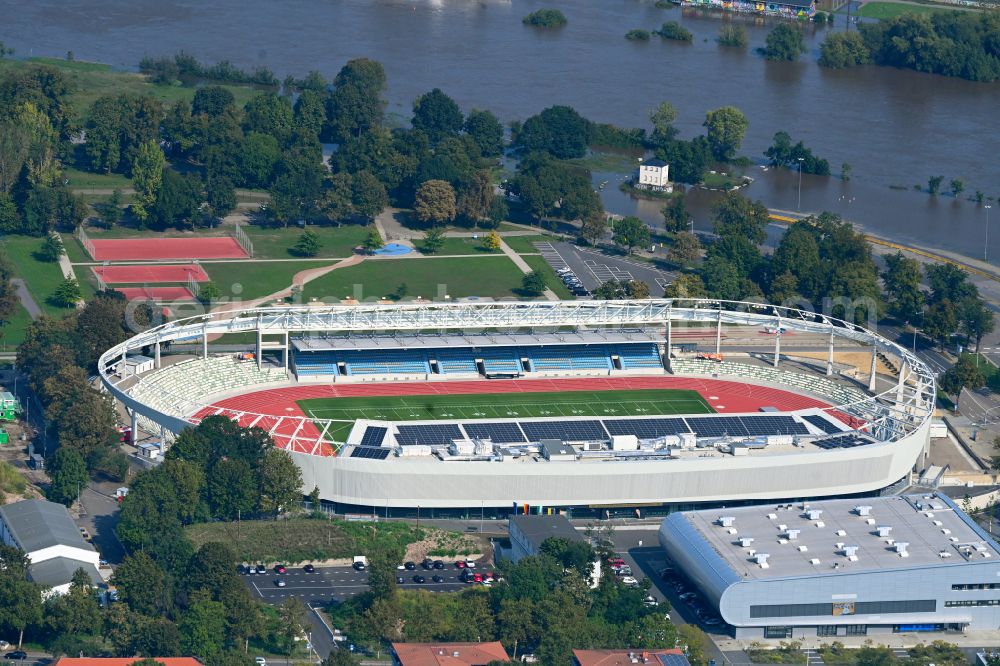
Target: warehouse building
{"points": [[840, 567]]}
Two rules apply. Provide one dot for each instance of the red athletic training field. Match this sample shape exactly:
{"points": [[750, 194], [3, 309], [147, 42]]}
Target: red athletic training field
{"points": [[157, 293], [146, 274], [723, 396], [167, 249]]}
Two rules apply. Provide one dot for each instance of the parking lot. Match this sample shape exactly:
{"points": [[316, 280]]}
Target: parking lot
{"points": [[593, 269], [327, 584]]}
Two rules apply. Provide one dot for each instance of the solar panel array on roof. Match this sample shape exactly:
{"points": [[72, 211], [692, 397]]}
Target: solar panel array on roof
{"points": [[568, 431], [673, 660], [773, 425], [498, 433], [823, 424], [372, 452], [845, 441], [428, 435], [646, 428], [707, 426], [374, 436]]}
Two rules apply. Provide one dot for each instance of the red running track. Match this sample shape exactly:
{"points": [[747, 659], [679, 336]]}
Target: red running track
{"points": [[151, 273], [167, 249], [157, 293], [723, 396]]}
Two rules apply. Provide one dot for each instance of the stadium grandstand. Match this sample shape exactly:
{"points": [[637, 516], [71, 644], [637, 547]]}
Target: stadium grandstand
{"points": [[593, 407]]}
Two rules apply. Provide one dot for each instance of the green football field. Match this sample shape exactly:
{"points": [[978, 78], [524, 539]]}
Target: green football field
{"points": [[651, 402]]}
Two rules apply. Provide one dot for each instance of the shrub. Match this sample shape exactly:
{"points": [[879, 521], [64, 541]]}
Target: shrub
{"points": [[733, 35], [674, 30], [545, 18], [637, 35]]}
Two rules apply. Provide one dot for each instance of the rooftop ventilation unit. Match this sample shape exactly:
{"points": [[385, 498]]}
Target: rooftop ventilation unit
{"points": [[901, 547], [772, 516], [883, 530], [863, 510], [803, 549], [814, 514], [782, 527], [945, 531], [814, 561], [944, 554], [840, 545], [746, 541], [851, 552], [761, 559], [727, 521], [792, 534], [841, 532]]}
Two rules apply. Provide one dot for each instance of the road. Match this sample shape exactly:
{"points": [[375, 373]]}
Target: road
{"points": [[99, 515], [27, 300]]}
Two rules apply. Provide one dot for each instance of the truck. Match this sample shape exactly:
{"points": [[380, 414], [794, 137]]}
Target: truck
{"points": [[360, 562]]}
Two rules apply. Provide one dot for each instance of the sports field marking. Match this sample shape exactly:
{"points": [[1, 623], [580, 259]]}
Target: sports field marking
{"points": [[509, 405]]}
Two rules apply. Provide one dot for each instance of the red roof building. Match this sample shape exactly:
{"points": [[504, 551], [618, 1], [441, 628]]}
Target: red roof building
{"points": [[447, 654]]}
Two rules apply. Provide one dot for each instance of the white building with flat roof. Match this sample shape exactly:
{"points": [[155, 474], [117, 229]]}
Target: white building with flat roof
{"points": [[655, 174], [840, 567]]}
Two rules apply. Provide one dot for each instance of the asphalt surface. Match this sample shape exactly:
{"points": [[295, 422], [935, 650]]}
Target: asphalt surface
{"points": [[595, 268]]}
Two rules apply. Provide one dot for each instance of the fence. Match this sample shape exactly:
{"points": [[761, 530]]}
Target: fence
{"points": [[85, 241], [244, 240]]}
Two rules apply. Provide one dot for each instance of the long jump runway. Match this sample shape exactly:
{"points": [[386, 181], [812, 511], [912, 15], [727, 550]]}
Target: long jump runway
{"points": [[166, 249]]}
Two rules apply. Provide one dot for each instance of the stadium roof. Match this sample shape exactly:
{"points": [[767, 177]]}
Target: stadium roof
{"points": [[845, 536], [386, 342], [671, 657], [59, 571], [37, 524], [449, 654]]}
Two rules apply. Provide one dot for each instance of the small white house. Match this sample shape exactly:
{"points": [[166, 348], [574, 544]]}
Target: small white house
{"points": [[655, 175], [134, 365]]}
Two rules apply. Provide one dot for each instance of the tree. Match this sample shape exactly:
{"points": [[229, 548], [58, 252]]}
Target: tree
{"points": [[733, 35], [67, 294], [68, 471], [663, 118], [533, 283], [964, 374], [545, 18], [203, 628], [258, 157], [433, 241], [437, 115], [722, 280], [737, 216], [209, 292], [934, 184], [631, 232], [940, 320], [475, 198], [902, 286], [594, 227], [356, 106], [280, 483], [142, 584], [9, 301], [688, 160], [957, 187], [51, 249], [232, 488], [307, 245], [435, 202], [20, 602], [492, 241], [368, 195], [845, 168], [614, 290], [551, 188], [784, 42], [976, 319], [486, 130], [177, 201], [686, 286], [292, 615], [843, 49], [696, 643], [675, 215], [271, 114], [111, 210], [373, 241], [685, 250], [558, 130], [726, 128], [147, 177], [782, 153], [212, 101]]}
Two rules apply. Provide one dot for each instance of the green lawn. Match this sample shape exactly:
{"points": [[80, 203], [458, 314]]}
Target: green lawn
{"points": [[84, 180], [246, 280], [508, 405], [41, 277], [607, 162], [888, 10], [12, 330], [89, 80], [539, 265], [524, 244], [461, 246], [493, 276], [74, 250], [276, 243]]}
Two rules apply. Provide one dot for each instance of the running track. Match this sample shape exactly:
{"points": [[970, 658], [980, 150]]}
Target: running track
{"points": [[724, 396], [142, 274], [156, 293], [167, 249]]}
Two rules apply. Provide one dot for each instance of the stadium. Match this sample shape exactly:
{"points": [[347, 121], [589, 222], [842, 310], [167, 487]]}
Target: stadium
{"points": [[593, 407]]}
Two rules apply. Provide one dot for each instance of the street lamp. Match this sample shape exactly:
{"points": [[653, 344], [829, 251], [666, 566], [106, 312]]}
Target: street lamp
{"points": [[921, 313], [799, 207], [987, 245]]}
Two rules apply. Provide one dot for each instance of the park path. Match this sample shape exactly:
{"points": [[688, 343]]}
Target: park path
{"points": [[524, 267], [27, 300]]}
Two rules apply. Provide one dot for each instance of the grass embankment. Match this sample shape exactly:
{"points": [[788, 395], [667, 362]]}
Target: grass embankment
{"points": [[460, 246], [529, 405], [607, 162], [888, 10], [90, 80], [12, 330], [42, 277], [12, 482], [485, 276], [525, 244], [277, 243], [305, 539], [247, 280], [553, 281]]}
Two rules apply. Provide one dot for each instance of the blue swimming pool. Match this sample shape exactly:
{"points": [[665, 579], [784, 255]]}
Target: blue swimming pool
{"points": [[394, 250]]}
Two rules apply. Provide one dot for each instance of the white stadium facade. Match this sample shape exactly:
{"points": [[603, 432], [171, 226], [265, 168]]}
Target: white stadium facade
{"points": [[791, 421]]}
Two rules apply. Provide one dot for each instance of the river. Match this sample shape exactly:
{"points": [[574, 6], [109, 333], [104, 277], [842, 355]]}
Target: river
{"points": [[896, 128]]}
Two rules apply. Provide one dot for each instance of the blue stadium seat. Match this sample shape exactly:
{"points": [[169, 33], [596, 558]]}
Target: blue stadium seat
{"points": [[641, 355], [315, 363], [500, 360], [451, 361], [387, 362], [568, 357]]}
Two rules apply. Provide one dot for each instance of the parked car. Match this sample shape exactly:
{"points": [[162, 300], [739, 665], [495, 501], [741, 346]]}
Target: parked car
{"points": [[419, 579], [85, 534], [309, 568], [428, 563], [460, 564], [437, 579], [629, 581], [279, 568], [471, 564], [410, 566], [688, 596], [712, 621], [16, 654], [438, 564], [260, 661], [280, 582], [261, 569], [4, 645], [399, 580], [650, 600]]}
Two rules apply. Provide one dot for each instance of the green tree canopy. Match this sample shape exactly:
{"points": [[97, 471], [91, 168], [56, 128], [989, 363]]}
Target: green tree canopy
{"points": [[726, 128]]}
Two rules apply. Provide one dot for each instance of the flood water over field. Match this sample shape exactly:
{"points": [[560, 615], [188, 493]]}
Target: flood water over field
{"points": [[894, 127]]}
